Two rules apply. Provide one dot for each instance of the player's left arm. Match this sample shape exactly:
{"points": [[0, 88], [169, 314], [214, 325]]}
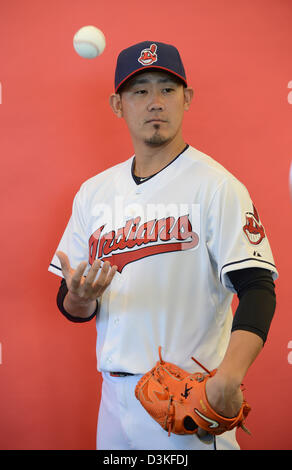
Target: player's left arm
{"points": [[223, 390], [252, 320]]}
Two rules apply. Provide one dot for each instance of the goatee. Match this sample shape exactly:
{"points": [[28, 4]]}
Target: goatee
{"points": [[156, 140]]}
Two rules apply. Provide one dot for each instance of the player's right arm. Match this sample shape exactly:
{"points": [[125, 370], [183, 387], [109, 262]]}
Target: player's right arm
{"points": [[83, 292]]}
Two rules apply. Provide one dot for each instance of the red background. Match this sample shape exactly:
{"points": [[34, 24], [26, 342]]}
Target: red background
{"points": [[57, 130]]}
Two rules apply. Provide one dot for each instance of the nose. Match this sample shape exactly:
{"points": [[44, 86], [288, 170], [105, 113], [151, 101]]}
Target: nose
{"points": [[156, 102]]}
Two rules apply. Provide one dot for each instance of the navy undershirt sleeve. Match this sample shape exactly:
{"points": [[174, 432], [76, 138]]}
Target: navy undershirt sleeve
{"points": [[257, 300]]}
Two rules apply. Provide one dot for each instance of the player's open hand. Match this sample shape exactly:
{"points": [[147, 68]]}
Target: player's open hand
{"points": [[85, 289]]}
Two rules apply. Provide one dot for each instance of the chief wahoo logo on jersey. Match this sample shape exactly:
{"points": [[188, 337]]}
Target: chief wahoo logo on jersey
{"points": [[253, 227]]}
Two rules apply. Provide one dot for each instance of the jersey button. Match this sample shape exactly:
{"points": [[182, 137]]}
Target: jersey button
{"points": [[116, 321]]}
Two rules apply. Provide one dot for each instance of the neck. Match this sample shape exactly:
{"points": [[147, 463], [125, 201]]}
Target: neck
{"points": [[150, 160]]}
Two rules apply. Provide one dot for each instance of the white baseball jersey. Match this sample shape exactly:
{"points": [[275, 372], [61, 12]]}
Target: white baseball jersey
{"points": [[174, 239]]}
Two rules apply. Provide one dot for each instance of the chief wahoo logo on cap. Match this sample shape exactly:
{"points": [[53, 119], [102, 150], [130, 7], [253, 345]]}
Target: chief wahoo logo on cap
{"points": [[148, 55]]}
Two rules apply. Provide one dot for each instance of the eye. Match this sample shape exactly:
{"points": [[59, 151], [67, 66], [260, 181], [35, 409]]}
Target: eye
{"points": [[138, 92], [168, 90]]}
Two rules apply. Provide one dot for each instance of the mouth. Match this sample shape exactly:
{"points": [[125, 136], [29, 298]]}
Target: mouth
{"points": [[155, 120]]}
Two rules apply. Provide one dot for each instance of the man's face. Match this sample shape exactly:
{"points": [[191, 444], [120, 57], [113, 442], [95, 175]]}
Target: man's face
{"points": [[153, 104]]}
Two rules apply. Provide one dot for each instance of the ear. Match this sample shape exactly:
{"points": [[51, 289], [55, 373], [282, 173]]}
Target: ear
{"points": [[116, 104], [188, 96]]}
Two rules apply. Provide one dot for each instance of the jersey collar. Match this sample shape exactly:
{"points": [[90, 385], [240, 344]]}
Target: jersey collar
{"points": [[140, 179]]}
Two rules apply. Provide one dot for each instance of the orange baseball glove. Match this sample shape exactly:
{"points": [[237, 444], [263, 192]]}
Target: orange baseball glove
{"points": [[177, 400]]}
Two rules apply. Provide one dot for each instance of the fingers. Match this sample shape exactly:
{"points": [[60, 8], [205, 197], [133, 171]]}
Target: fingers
{"points": [[77, 276], [87, 286], [91, 287], [65, 263], [111, 274], [93, 272], [105, 277]]}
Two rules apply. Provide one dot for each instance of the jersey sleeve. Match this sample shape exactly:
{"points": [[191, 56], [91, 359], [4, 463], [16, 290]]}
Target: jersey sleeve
{"points": [[74, 240], [236, 237]]}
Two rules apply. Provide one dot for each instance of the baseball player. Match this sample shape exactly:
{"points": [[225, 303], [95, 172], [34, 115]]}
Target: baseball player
{"points": [[155, 249]]}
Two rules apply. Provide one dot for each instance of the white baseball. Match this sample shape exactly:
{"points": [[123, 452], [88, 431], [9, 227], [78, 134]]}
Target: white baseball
{"points": [[89, 42]]}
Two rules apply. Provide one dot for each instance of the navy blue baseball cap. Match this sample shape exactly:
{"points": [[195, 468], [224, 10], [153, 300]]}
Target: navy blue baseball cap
{"points": [[148, 55]]}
